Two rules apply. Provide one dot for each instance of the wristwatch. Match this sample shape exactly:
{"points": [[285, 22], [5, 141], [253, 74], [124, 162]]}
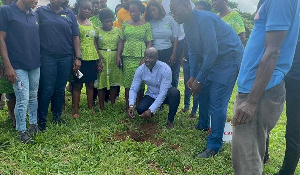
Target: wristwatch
{"points": [[151, 111], [198, 82], [78, 58]]}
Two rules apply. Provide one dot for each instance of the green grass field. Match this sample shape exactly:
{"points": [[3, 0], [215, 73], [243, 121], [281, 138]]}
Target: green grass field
{"points": [[109, 143]]}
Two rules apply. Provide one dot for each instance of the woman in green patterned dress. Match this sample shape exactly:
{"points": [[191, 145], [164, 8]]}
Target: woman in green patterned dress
{"points": [[110, 75], [90, 57], [232, 18], [136, 36]]}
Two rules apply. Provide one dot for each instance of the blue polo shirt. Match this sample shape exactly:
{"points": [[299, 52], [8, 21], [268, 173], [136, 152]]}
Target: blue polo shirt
{"points": [[294, 73], [22, 38], [57, 30], [274, 15]]}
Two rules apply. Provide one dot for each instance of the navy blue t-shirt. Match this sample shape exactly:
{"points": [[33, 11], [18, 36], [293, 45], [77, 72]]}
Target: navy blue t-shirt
{"points": [[22, 37], [294, 73], [57, 30]]}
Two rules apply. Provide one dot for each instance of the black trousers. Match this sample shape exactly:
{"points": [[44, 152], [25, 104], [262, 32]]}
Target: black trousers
{"points": [[292, 152], [172, 99], [164, 56]]}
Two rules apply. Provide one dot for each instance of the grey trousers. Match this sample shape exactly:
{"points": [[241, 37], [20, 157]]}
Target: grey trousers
{"points": [[249, 140]]}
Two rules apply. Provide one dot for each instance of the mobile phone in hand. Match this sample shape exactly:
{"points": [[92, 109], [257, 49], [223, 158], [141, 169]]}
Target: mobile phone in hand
{"points": [[79, 74]]}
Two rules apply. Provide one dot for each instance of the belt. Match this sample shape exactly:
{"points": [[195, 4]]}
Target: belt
{"points": [[108, 50]]}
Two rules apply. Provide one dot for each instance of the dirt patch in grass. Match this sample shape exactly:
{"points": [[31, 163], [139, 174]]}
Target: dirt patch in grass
{"points": [[188, 169], [157, 168], [145, 133]]}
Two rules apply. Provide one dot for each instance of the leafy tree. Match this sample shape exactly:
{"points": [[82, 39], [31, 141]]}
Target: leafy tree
{"points": [[1, 3], [248, 22]]}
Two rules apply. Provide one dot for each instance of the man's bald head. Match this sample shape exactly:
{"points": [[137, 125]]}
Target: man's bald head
{"points": [[151, 56], [151, 52]]}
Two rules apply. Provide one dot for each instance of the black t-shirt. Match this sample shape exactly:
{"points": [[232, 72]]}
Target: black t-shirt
{"points": [[294, 73]]}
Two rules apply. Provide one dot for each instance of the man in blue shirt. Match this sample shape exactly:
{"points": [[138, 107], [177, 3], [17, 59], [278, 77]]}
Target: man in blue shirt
{"points": [[292, 85], [20, 51], [158, 77], [216, 49], [261, 91]]}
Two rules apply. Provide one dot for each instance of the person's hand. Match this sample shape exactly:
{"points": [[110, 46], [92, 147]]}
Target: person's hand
{"points": [[196, 87], [244, 113], [190, 82], [76, 65], [10, 74], [182, 61], [142, 61], [147, 114], [99, 66], [130, 112], [172, 60], [119, 62]]}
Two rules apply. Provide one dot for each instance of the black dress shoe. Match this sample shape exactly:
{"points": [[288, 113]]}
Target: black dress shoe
{"points": [[201, 129], [32, 130], [207, 153], [170, 125], [42, 127], [25, 137]]}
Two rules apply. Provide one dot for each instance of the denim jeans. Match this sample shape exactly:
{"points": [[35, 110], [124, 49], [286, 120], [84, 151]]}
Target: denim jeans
{"points": [[213, 101], [204, 107], [176, 67], [175, 73], [187, 91], [55, 71], [26, 89]]}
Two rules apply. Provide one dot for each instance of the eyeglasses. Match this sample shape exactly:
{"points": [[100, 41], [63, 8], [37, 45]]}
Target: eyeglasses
{"points": [[173, 12]]}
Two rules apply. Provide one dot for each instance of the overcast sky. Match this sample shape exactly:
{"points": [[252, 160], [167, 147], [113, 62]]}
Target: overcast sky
{"points": [[244, 5]]}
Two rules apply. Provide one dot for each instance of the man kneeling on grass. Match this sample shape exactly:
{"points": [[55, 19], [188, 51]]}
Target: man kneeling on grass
{"points": [[158, 77]]}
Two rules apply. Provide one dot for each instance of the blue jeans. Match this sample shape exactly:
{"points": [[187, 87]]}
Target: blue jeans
{"points": [[55, 71], [175, 73], [203, 101], [176, 67], [26, 89], [213, 101], [187, 91]]}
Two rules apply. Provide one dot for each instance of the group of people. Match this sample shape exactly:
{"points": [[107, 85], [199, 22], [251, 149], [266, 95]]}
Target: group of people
{"points": [[141, 44]]}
